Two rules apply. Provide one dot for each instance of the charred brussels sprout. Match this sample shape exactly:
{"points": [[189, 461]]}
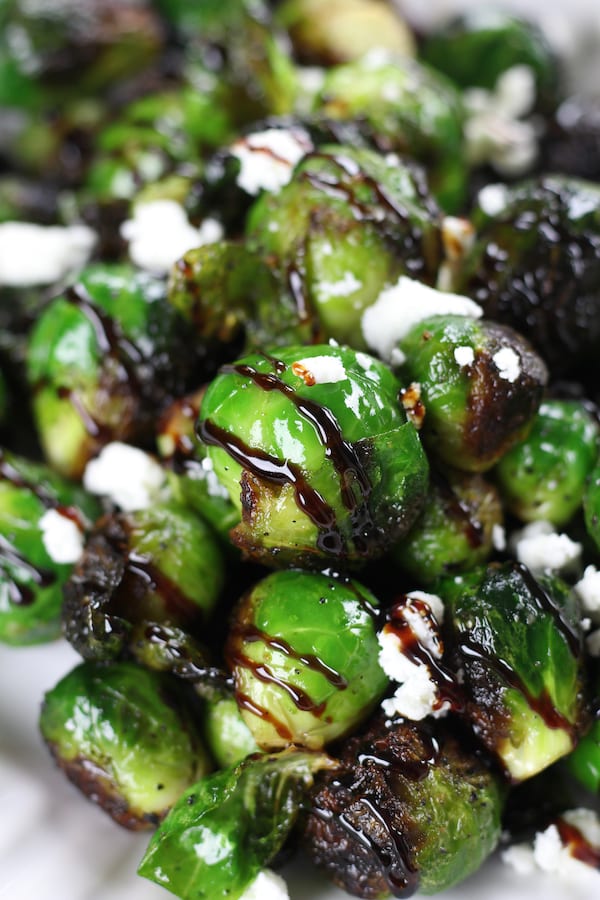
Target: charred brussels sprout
{"points": [[518, 641], [103, 359], [226, 828], [226, 734], [316, 453], [126, 737], [411, 808], [535, 265], [347, 224], [480, 383], [152, 566], [43, 520], [545, 476], [455, 530], [304, 654], [403, 107]]}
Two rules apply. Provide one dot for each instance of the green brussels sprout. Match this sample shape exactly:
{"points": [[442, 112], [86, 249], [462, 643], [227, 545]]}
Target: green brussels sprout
{"points": [[342, 30], [126, 737], [412, 807], [475, 49], [43, 520], [534, 265], [226, 828], [403, 107], [316, 453], [153, 566], [480, 383], [226, 734], [103, 359], [518, 641], [455, 531], [347, 224], [591, 504], [303, 650], [584, 761], [544, 477]]}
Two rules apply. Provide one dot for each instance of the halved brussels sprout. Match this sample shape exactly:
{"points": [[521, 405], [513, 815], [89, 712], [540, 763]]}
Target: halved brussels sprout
{"points": [[315, 452], [304, 654], [128, 739]]}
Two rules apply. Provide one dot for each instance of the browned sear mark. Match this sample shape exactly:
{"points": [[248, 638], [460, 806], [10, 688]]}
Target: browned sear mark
{"points": [[300, 370], [410, 398]]}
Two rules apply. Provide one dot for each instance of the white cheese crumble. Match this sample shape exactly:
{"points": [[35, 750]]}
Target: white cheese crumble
{"points": [[320, 370], [592, 643], [548, 853], [42, 254], [160, 233], [464, 356], [492, 198], [417, 696], [266, 886], [126, 475], [498, 537], [399, 307], [588, 591], [329, 290], [508, 363], [539, 547], [495, 129], [61, 536], [267, 158]]}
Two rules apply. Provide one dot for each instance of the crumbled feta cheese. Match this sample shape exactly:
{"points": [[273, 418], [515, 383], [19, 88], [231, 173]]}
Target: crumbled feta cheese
{"points": [[160, 233], [520, 857], [592, 643], [397, 357], [464, 356], [42, 254], [549, 854], [329, 290], [508, 362], [539, 547], [320, 370], [498, 537], [433, 601], [415, 698], [399, 307], [268, 157], [492, 198], [126, 475], [266, 886], [62, 537], [588, 591]]}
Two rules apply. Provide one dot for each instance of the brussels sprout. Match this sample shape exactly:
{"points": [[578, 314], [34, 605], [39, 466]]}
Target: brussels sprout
{"points": [[455, 530], [413, 807], [152, 566], [226, 734], [316, 453], [304, 655], [347, 225], [475, 49], [126, 737], [544, 477], [518, 641], [230, 825], [535, 265], [103, 359], [403, 107], [342, 30], [480, 383], [591, 504], [584, 762], [43, 519]]}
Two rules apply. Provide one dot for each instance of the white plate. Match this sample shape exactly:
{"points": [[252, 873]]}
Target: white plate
{"points": [[54, 845]]}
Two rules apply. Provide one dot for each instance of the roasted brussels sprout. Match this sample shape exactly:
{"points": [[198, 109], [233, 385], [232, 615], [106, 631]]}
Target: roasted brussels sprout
{"points": [[104, 358], [518, 641], [152, 566], [316, 453], [403, 107], [43, 520], [304, 655], [226, 828], [413, 807], [226, 734], [455, 532], [480, 384], [584, 762], [535, 265], [347, 224], [544, 477], [126, 737], [591, 504]]}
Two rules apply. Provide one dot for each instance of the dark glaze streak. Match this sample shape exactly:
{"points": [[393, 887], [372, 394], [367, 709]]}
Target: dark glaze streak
{"points": [[250, 705], [578, 845], [151, 580], [10, 559], [546, 604]]}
